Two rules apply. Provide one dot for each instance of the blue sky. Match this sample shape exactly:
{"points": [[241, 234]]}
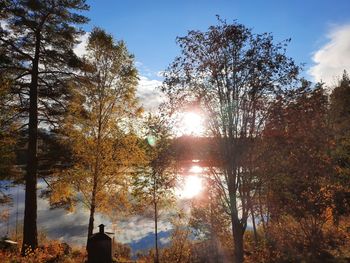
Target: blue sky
{"points": [[150, 27]]}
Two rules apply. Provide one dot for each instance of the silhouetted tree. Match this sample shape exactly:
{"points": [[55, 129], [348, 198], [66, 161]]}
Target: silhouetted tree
{"points": [[38, 38], [297, 170], [340, 124], [230, 73]]}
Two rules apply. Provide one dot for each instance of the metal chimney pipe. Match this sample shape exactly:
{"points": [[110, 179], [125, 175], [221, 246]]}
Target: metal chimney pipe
{"points": [[102, 228]]}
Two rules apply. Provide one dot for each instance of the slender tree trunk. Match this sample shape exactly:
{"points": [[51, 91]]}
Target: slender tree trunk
{"points": [[214, 241], [156, 258], [254, 226], [262, 215], [30, 234], [92, 209], [96, 175], [91, 220]]}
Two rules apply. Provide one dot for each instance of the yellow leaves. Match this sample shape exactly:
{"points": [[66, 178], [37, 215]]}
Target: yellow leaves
{"points": [[62, 195], [51, 251]]}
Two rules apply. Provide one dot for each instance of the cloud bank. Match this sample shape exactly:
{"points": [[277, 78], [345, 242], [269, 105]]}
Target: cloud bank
{"points": [[150, 97], [332, 58], [72, 227]]}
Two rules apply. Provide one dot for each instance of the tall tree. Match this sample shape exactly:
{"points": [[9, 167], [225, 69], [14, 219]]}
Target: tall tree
{"points": [[97, 129], [153, 185], [340, 124], [230, 72], [39, 37], [297, 170]]}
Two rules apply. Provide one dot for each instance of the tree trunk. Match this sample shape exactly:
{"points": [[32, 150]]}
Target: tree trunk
{"points": [[238, 241], [156, 259], [214, 241], [237, 232], [237, 227], [254, 226], [91, 221], [92, 210], [96, 176], [30, 234]]}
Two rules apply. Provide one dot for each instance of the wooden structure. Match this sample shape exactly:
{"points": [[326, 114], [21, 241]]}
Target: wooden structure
{"points": [[99, 247]]}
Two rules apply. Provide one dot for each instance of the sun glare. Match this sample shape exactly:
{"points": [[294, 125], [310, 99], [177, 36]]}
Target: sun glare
{"points": [[192, 123], [192, 187]]}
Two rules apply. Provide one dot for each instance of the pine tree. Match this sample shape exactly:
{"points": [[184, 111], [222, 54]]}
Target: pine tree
{"points": [[39, 38]]}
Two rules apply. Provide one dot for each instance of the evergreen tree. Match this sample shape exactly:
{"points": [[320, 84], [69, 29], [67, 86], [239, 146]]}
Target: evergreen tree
{"points": [[39, 38]]}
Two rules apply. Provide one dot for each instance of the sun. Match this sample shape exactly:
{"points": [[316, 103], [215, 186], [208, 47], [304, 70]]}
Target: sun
{"points": [[192, 123]]}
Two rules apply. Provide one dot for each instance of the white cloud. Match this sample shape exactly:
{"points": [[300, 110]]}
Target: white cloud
{"points": [[80, 49], [160, 74], [138, 64], [332, 58], [137, 227], [165, 240], [148, 93]]}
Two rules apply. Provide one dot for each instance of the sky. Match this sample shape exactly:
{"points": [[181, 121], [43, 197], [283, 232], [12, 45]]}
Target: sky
{"points": [[320, 31]]}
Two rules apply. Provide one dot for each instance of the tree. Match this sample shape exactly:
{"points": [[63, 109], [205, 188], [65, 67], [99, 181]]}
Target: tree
{"points": [[180, 248], [97, 129], [230, 73], [7, 130], [154, 184], [340, 125], [8, 139], [297, 171], [39, 39], [210, 221]]}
